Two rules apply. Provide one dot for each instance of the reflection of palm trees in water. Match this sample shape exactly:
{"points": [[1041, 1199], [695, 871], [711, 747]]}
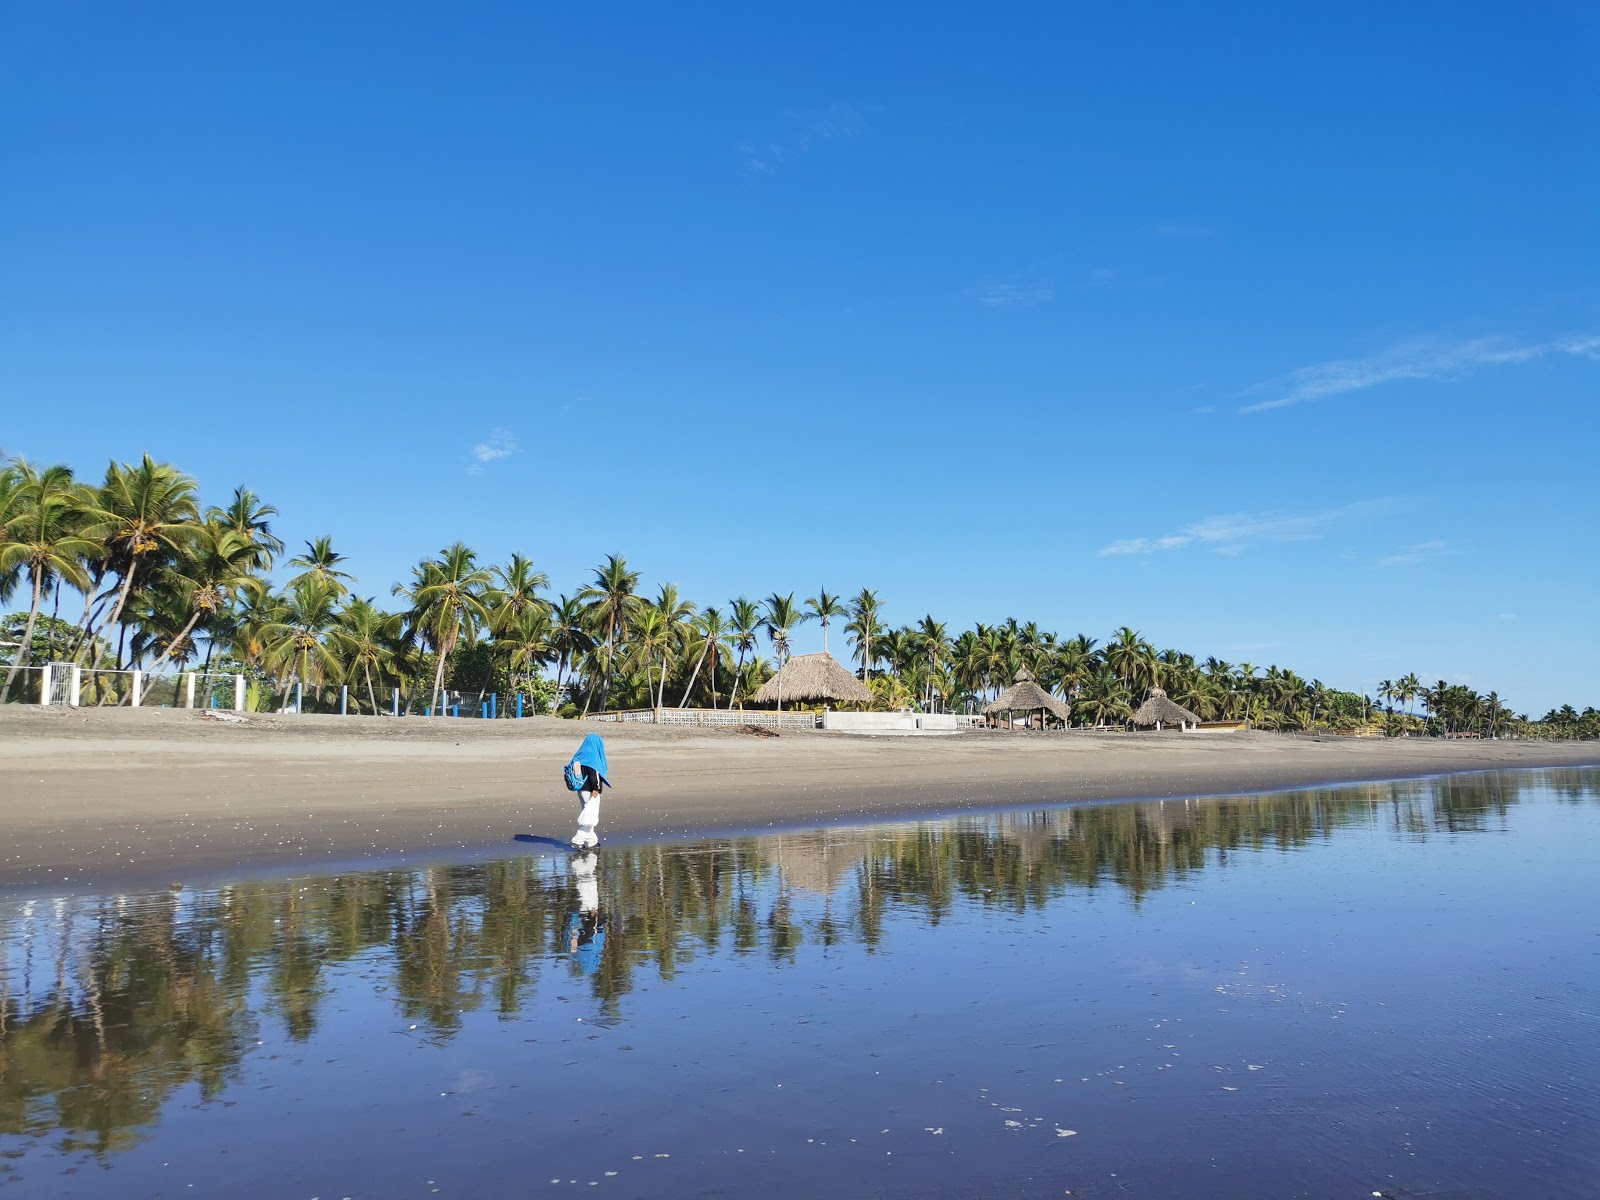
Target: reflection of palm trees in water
{"points": [[135, 1000]]}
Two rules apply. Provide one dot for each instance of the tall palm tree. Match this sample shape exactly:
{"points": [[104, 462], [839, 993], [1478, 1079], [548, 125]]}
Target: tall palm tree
{"points": [[41, 538], [824, 607], [780, 618], [744, 625], [525, 646], [138, 511], [932, 643], [516, 591], [677, 615], [245, 514], [569, 636], [1132, 658], [651, 638], [215, 568], [447, 604], [611, 601], [709, 630], [864, 627], [321, 562], [365, 638], [298, 643]]}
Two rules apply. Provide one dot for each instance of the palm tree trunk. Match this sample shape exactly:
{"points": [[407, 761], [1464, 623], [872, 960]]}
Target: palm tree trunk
{"points": [[116, 611], [194, 619], [26, 649], [695, 674], [372, 696]]}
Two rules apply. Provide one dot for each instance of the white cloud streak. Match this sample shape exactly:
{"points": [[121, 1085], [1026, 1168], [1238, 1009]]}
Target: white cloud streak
{"points": [[1235, 533], [1415, 360], [1016, 295], [1411, 555], [502, 443], [829, 124]]}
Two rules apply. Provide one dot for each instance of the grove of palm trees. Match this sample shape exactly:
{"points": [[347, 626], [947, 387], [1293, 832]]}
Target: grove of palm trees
{"points": [[134, 571]]}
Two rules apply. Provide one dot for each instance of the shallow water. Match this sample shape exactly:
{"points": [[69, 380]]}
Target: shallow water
{"points": [[1392, 988]]}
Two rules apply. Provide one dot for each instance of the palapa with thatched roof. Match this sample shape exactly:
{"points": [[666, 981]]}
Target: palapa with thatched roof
{"points": [[1024, 695], [814, 677], [1157, 711]]}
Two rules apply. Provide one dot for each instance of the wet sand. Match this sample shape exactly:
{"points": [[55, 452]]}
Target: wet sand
{"points": [[93, 798]]}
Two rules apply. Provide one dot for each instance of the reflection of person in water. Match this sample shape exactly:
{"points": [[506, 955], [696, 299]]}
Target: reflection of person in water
{"points": [[586, 928]]}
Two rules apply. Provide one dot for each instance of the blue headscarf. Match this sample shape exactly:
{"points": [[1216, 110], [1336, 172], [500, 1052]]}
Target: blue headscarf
{"points": [[592, 754]]}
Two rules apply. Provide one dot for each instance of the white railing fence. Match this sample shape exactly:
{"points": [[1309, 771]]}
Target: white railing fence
{"points": [[716, 717]]}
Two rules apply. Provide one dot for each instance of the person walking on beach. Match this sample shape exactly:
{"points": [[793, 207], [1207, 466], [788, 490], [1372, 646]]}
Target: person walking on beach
{"points": [[586, 775]]}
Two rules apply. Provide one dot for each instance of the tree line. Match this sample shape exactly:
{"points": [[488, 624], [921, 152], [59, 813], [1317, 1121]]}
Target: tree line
{"points": [[134, 571]]}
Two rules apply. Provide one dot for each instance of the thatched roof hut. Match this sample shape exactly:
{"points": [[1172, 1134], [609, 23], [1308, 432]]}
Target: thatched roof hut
{"points": [[1024, 695], [814, 677], [1157, 711]]}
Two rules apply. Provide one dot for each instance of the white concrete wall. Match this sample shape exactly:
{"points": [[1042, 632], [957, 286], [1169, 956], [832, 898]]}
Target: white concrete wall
{"points": [[894, 723]]}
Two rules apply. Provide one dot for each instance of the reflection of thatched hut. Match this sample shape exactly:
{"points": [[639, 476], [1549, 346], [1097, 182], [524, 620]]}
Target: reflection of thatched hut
{"points": [[1024, 695], [1158, 711], [813, 677]]}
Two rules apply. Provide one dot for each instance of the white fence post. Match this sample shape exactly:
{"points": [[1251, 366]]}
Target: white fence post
{"points": [[344, 699], [238, 693], [188, 701], [77, 687], [44, 684], [136, 691], [299, 697], [397, 702]]}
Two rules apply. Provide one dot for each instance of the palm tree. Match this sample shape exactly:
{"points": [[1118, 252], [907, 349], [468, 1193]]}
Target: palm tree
{"points": [[321, 562], [216, 568], [365, 637], [525, 646], [41, 538], [651, 638], [246, 515], [298, 645], [1132, 658], [569, 636], [823, 607], [676, 615], [517, 591], [137, 512], [931, 644], [780, 618], [744, 626], [611, 601], [447, 604], [864, 627], [1409, 688], [709, 629]]}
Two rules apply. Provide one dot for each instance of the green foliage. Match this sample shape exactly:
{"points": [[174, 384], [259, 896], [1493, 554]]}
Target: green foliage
{"points": [[147, 577]]}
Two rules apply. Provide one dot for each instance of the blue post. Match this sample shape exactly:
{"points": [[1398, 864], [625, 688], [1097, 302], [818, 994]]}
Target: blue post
{"points": [[519, 706], [455, 710], [427, 710]]}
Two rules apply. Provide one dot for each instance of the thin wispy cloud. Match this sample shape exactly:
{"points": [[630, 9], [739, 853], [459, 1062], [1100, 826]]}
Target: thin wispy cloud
{"points": [[502, 443], [1413, 360], [1237, 532], [1024, 294], [813, 127], [1416, 553]]}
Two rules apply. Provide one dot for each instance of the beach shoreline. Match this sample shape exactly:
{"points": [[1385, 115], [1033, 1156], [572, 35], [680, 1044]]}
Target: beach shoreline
{"points": [[97, 798]]}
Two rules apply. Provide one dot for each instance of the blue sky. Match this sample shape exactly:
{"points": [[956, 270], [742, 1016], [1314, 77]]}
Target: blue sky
{"points": [[1273, 330]]}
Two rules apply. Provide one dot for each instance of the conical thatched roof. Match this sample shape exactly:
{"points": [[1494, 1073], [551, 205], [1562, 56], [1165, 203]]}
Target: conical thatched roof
{"points": [[814, 677], [1024, 695], [1158, 708]]}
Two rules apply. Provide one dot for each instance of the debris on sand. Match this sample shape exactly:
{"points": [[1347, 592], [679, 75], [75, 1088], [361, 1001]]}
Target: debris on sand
{"points": [[227, 718], [756, 730]]}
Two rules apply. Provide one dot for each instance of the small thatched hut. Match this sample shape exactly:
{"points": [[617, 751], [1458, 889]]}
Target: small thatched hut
{"points": [[813, 677], [1158, 711], [1024, 695]]}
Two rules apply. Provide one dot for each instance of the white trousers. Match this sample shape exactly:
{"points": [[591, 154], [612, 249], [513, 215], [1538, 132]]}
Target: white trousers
{"points": [[588, 818]]}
